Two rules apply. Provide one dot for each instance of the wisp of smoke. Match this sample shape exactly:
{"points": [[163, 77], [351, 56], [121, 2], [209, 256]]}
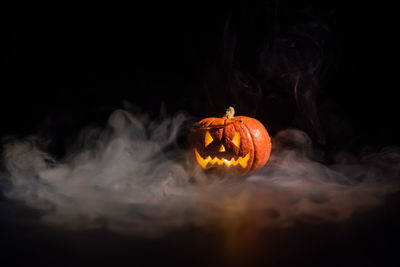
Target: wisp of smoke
{"points": [[131, 177]]}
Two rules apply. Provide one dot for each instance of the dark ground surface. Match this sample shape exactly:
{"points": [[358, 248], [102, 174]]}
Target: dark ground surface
{"points": [[65, 68], [369, 239]]}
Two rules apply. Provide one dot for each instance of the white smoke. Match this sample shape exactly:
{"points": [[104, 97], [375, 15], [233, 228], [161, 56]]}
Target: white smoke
{"points": [[132, 178]]}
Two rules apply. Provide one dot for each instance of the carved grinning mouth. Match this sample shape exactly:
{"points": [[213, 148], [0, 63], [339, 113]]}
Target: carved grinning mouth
{"points": [[242, 161]]}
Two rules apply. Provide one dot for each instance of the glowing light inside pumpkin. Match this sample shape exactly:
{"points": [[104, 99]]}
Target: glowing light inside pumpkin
{"points": [[242, 161], [236, 139], [208, 139]]}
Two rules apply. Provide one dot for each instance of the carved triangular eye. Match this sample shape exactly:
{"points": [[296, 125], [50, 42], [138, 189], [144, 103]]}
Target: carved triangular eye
{"points": [[208, 139], [236, 139]]}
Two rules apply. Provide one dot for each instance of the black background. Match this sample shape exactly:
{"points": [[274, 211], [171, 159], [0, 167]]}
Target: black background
{"points": [[63, 68]]}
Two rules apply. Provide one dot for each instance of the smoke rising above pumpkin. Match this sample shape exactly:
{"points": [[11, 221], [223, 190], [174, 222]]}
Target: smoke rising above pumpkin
{"points": [[282, 68], [132, 177]]}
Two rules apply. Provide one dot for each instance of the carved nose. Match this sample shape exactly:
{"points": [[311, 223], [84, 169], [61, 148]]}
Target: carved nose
{"points": [[222, 148]]}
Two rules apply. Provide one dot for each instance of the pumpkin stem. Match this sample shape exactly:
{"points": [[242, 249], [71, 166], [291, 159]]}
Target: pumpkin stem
{"points": [[230, 113]]}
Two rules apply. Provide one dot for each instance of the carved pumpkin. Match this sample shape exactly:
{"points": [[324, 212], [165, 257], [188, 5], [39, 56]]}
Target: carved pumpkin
{"points": [[230, 145]]}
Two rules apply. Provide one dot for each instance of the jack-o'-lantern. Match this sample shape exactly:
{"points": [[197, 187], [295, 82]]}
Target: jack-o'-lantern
{"points": [[230, 145]]}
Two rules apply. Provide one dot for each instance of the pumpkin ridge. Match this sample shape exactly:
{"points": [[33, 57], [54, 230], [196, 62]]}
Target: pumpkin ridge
{"points": [[216, 126], [208, 125], [254, 147], [223, 130], [252, 144]]}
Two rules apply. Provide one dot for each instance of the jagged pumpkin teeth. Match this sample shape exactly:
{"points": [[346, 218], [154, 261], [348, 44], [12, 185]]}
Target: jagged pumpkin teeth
{"points": [[242, 161]]}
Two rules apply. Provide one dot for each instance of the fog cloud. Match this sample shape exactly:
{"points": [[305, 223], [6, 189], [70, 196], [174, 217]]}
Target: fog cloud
{"points": [[132, 177]]}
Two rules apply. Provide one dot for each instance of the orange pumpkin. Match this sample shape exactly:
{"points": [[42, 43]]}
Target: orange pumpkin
{"points": [[230, 145]]}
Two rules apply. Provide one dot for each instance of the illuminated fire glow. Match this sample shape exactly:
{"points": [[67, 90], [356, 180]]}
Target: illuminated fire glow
{"points": [[204, 162]]}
